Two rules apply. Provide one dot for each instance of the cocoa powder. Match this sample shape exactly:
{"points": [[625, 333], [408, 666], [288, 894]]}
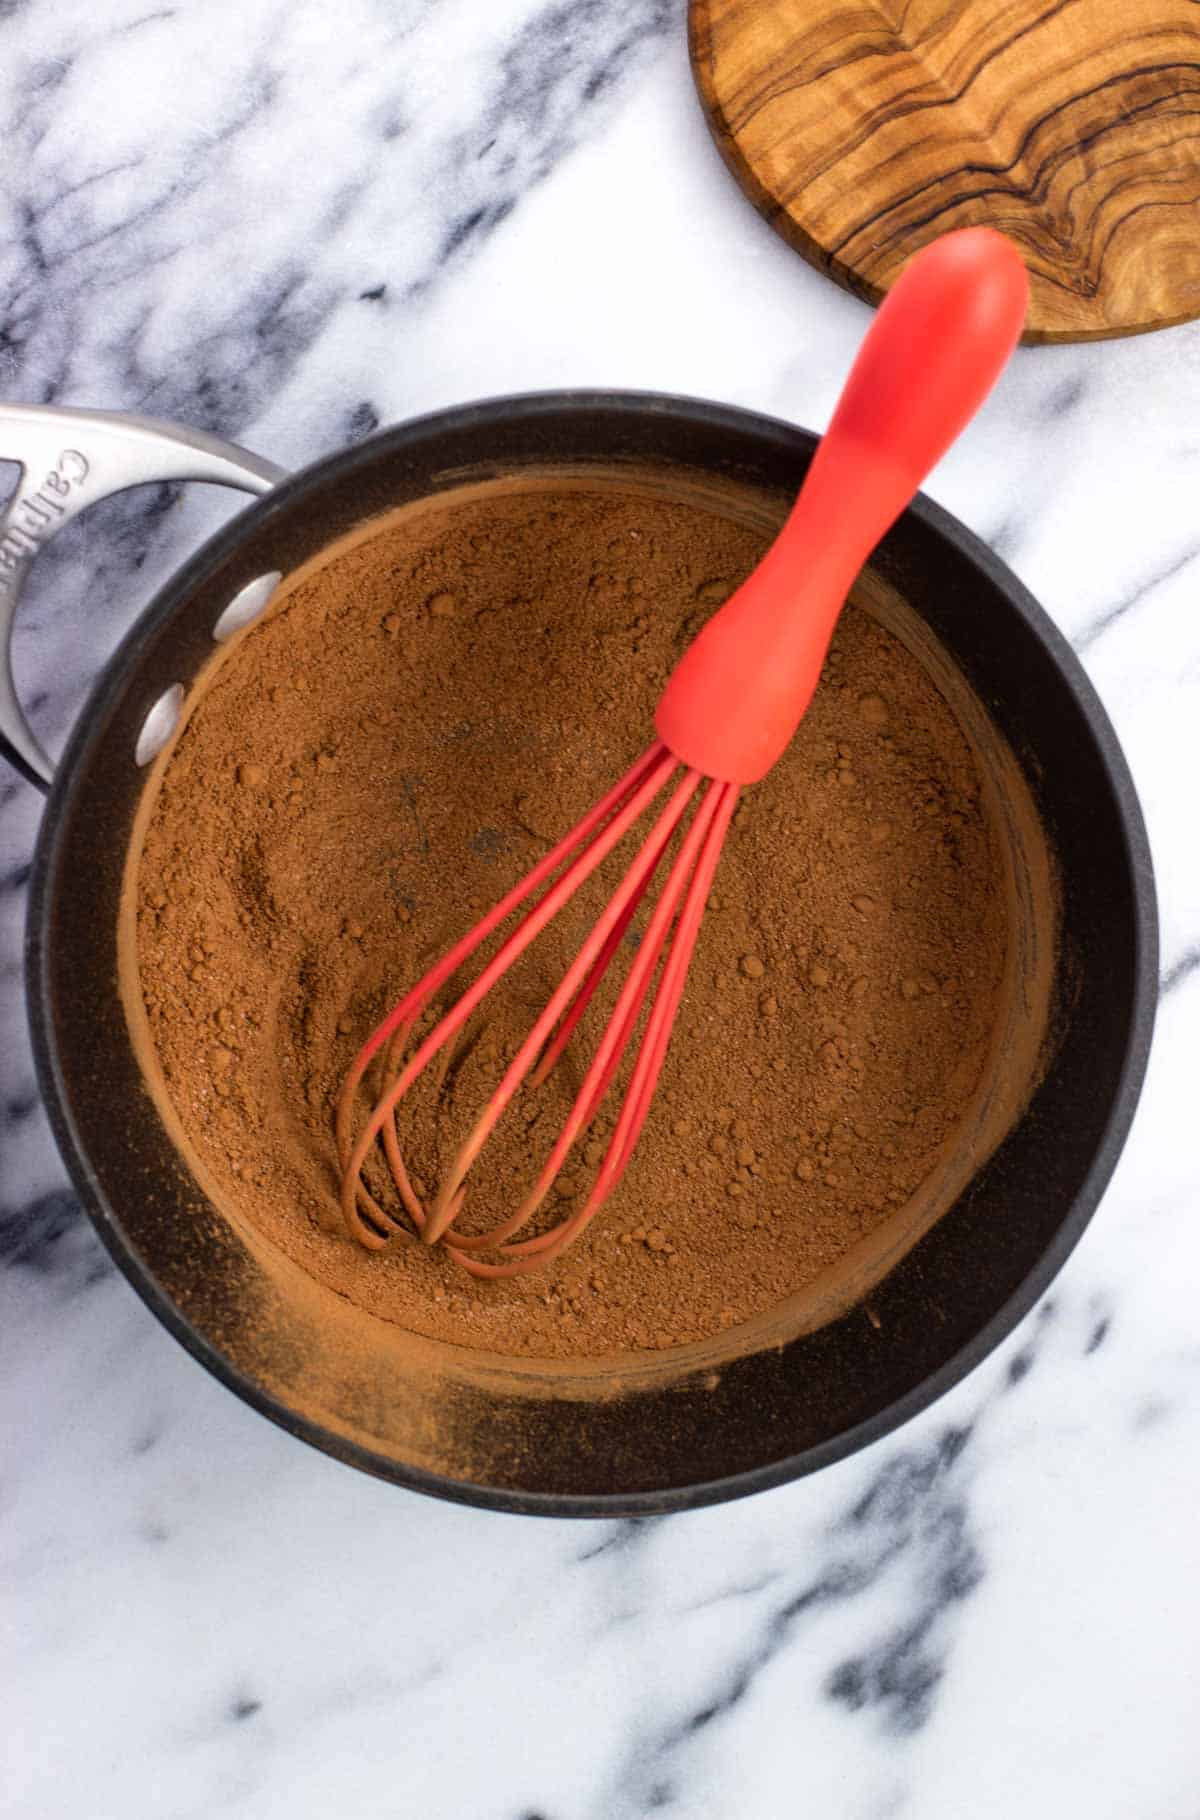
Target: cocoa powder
{"points": [[381, 758]]}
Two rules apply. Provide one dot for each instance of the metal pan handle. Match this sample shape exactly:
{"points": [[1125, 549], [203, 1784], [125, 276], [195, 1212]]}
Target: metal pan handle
{"points": [[70, 459]]}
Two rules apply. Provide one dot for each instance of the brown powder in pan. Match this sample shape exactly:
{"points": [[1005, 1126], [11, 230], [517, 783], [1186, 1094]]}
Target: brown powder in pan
{"points": [[377, 762]]}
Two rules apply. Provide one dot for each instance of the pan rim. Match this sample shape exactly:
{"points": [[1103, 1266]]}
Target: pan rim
{"points": [[632, 406]]}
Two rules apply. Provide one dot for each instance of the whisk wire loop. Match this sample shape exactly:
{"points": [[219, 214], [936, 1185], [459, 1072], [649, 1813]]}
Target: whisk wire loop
{"points": [[688, 884], [591, 843], [671, 931]]}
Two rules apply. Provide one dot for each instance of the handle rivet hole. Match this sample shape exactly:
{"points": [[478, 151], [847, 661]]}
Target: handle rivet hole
{"points": [[159, 724], [246, 606]]}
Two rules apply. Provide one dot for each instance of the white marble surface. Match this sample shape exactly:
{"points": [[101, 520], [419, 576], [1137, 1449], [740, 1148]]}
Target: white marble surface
{"points": [[289, 223]]}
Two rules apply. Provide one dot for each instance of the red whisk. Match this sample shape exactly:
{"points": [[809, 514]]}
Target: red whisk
{"points": [[929, 359]]}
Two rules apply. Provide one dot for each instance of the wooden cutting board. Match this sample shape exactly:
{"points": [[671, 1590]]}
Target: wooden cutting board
{"points": [[864, 128]]}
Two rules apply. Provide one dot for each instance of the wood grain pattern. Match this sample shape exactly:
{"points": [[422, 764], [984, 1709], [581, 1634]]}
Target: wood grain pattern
{"points": [[864, 128]]}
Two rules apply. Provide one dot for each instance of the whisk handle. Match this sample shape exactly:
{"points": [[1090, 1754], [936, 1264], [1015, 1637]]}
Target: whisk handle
{"points": [[933, 353]]}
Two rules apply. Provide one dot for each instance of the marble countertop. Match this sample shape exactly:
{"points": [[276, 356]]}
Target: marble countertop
{"points": [[290, 224]]}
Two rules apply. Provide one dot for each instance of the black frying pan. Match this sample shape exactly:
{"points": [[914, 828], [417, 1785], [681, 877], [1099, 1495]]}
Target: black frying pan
{"points": [[658, 1438]]}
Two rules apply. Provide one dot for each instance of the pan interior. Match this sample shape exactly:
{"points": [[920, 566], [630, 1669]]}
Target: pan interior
{"points": [[463, 1415]]}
